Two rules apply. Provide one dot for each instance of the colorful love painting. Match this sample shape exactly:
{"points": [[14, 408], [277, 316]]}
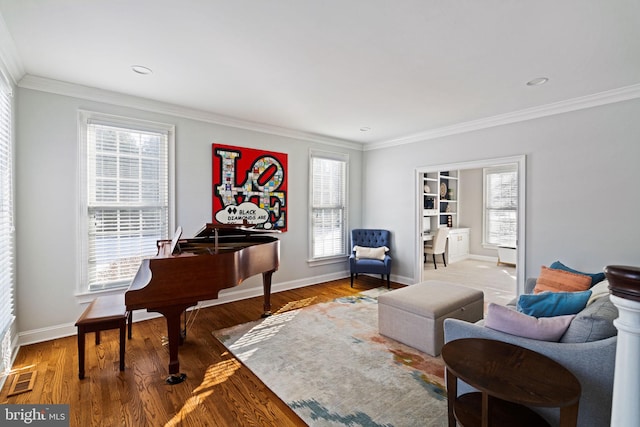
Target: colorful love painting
{"points": [[249, 187]]}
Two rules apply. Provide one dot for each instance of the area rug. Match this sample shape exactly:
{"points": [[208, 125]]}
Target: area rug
{"points": [[330, 365]]}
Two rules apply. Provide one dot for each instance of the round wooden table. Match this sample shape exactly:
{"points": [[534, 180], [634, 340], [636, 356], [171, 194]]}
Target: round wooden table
{"points": [[508, 377]]}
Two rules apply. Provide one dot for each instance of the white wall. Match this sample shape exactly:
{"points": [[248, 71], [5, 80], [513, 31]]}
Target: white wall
{"points": [[47, 190], [582, 185]]}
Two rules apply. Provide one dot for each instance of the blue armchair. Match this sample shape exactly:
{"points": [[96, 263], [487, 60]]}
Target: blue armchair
{"points": [[376, 261]]}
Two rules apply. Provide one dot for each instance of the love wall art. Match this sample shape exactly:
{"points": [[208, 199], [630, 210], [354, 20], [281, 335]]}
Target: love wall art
{"points": [[249, 187]]}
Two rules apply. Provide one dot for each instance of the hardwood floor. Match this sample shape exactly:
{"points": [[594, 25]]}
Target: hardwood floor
{"points": [[218, 391]]}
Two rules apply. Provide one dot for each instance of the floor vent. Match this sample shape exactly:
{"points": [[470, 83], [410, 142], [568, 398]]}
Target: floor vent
{"points": [[22, 383]]}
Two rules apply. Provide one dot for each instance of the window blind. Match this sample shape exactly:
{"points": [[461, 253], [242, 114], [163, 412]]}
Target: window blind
{"points": [[328, 206], [7, 253], [127, 200], [501, 205]]}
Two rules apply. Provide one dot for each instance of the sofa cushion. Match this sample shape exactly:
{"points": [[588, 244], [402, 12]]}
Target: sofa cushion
{"points": [[560, 281], [595, 277], [593, 323], [372, 253], [598, 291], [549, 304], [513, 322]]}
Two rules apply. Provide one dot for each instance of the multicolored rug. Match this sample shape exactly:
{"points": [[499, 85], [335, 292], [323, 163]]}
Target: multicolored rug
{"points": [[330, 365]]}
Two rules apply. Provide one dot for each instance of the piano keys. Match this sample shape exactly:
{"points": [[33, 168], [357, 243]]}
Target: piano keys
{"points": [[186, 271]]}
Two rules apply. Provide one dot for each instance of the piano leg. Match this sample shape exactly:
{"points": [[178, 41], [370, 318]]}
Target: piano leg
{"points": [[173, 315], [266, 285]]}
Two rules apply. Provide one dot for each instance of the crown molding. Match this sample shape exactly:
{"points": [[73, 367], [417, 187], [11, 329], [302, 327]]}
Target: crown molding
{"points": [[598, 99], [100, 95], [10, 62]]}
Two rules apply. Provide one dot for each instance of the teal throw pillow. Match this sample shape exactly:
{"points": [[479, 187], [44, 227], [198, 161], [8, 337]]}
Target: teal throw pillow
{"points": [[595, 277], [550, 304]]}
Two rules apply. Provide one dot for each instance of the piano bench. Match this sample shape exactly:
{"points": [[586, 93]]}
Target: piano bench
{"points": [[103, 313]]}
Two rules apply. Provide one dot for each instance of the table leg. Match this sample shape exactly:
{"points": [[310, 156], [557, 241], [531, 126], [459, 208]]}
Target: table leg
{"points": [[452, 395], [485, 410], [123, 331], [569, 416], [81, 345]]}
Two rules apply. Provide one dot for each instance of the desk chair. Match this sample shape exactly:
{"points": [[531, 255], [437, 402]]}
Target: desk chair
{"points": [[438, 246]]}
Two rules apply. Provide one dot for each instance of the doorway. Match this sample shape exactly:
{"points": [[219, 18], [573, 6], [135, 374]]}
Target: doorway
{"points": [[520, 163]]}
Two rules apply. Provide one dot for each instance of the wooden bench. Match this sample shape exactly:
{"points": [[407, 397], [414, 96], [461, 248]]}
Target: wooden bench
{"points": [[104, 313]]}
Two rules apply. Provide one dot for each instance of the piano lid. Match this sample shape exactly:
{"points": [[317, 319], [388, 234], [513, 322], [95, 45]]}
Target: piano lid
{"points": [[211, 230]]}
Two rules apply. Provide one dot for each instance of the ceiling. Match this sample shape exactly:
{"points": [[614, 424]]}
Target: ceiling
{"points": [[330, 68]]}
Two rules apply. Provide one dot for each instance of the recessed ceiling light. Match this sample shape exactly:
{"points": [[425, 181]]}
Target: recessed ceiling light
{"points": [[141, 69], [537, 82], [365, 129]]}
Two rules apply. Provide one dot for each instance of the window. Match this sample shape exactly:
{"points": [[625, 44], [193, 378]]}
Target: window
{"points": [[501, 205], [328, 188], [6, 226], [126, 196]]}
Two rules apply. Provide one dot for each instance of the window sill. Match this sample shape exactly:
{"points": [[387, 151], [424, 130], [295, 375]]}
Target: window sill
{"points": [[328, 260]]}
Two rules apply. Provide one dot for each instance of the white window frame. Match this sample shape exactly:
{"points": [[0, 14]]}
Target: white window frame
{"points": [[85, 118], [507, 168], [7, 229], [340, 255]]}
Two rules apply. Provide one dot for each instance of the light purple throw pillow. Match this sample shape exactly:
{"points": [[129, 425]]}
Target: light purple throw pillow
{"points": [[512, 322]]}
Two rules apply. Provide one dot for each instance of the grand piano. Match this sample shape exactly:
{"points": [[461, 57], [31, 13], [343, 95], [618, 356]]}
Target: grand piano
{"points": [[186, 271]]}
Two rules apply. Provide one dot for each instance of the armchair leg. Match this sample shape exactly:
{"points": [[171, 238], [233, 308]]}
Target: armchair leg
{"points": [[352, 280], [388, 281], [444, 260], [434, 261]]}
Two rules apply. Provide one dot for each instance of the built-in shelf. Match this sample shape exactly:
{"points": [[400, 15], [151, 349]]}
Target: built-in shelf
{"points": [[440, 209], [440, 204]]}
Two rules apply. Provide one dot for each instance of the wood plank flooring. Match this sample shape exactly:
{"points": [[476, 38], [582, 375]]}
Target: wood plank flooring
{"points": [[218, 391]]}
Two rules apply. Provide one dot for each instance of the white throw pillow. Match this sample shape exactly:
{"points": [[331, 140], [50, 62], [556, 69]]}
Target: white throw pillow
{"points": [[372, 253], [599, 290]]}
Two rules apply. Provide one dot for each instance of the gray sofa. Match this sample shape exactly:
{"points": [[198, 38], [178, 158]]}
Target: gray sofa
{"points": [[591, 362]]}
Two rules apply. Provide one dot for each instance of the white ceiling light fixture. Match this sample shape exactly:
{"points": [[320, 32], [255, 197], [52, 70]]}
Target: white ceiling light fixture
{"points": [[141, 69], [538, 81]]}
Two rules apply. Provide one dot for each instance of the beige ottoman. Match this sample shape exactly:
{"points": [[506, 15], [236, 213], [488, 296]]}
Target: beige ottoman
{"points": [[414, 315]]}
